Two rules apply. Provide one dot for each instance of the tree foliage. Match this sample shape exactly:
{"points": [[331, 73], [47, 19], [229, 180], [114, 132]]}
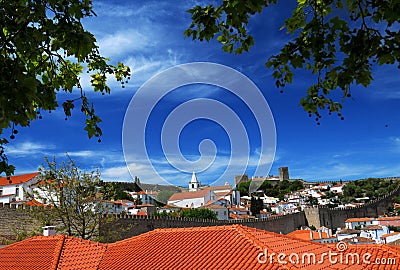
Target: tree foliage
{"points": [[197, 213], [256, 205], [338, 42], [370, 187], [44, 48], [74, 203]]}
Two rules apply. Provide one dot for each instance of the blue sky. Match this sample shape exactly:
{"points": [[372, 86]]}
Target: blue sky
{"points": [[148, 36]]}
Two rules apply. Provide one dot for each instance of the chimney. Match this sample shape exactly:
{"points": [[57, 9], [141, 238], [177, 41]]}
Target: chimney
{"points": [[320, 234], [49, 230], [311, 235]]}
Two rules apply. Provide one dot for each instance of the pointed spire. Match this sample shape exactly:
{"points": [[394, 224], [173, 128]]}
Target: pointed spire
{"points": [[194, 178], [194, 184]]}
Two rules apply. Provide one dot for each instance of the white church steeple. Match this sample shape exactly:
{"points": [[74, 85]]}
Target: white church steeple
{"points": [[194, 184]]}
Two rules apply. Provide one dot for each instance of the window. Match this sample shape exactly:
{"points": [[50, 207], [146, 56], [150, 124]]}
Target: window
{"points": [[1, 191], [17, 191]]}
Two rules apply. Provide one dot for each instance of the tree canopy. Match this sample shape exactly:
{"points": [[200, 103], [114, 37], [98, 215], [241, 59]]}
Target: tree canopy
{"points": [[202, 213], [44, 49], [73, 197], [338, 42]]}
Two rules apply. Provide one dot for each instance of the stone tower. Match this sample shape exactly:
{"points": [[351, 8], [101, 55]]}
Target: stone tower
{"points": [[283, 173]]}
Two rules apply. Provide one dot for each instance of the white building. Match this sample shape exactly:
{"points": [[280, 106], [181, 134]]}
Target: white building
{"points": [[352, 223], [374, 232], [146, 197], [222, 212], [338, 188], [390, 237], [14, 188], [192, 199]]}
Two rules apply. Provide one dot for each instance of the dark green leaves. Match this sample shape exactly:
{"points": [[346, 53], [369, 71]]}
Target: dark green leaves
{"points": [[44, 50], [336, 41]]}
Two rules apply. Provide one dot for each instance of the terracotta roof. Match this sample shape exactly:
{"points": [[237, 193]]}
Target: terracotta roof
{"points": [[218, 247], [389, 218], [213, 206], [229, 187], [51, 252], [80, 254], [34, 202], [7, 195], [372, 227], [18, 179], [145, 205], [305, 235], [389, 234], [189, 195], [348, 231], [359, 219], [141, 213]]}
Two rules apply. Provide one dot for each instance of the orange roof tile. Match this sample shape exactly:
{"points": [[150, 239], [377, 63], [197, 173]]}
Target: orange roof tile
{"points": [[33, 253], [18, 179], [359, 219], [389, 234], [389, 218], [189, 195], [217, 247], [306, 235], [34, 202]]}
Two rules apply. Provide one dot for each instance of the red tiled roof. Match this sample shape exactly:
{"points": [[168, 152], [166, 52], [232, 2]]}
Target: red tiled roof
{"points": [[389, 234], [80, 254], [51, 252], [217, 247], [189, 195], [34, 253], [18, 179], [372, 227], [359, 219], [34, 202], [305, 235], [389, 218]]}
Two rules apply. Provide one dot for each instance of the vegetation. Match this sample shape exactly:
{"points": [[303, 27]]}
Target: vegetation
{"points": [[44, 49], [73, 197], [279, 190], [336, 42], [256, 205], [113, 191], [164, 195], [198, 213], [372, 188]]}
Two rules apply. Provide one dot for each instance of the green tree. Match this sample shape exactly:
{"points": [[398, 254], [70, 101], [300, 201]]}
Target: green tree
{"points": [[336, 41], [44, 48], [74, 202], [256, 205], [243, 188], [201, 213]]}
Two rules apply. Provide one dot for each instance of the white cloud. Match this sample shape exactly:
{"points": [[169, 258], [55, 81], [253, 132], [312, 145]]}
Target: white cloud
{"points": [[123, 42], [28, 148]]}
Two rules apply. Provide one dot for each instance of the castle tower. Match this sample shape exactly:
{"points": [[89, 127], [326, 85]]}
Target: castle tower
{"points": [[194, 184], [283, 173]]}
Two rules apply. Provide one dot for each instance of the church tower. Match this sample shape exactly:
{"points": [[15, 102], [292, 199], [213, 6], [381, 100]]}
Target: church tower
{"points": [[194, 184]]}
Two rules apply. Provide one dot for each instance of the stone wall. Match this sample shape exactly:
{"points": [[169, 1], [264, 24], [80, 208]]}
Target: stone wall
{"points": [[129, 226], [334, 218], [14, 221]]}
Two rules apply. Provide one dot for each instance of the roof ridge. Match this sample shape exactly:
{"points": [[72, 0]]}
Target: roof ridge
{"points": [[57, 261]]}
